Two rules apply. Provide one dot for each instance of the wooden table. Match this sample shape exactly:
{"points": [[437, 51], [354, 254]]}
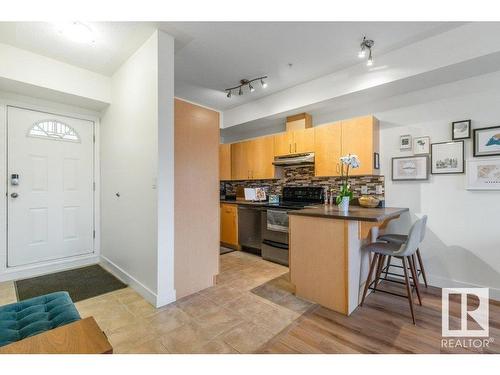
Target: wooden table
{"points": [[81, 337]]}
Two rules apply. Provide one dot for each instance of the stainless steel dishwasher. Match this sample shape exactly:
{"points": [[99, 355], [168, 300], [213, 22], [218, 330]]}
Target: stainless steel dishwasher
{"points": [[249, 228]]}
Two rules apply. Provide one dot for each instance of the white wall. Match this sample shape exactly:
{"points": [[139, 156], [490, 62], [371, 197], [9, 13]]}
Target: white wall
{"points": [[32, 74], [130, 141], [462, 245]]}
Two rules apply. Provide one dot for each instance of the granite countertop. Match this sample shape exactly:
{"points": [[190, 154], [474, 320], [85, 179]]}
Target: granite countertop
{"points": [[246, 203], [355, 213]]}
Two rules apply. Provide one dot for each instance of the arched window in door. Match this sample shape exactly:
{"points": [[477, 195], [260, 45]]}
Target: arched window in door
{"points": [[53, 129]]}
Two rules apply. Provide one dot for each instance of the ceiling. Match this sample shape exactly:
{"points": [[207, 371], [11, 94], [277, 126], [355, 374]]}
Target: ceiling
{"points": [[114, 42], [211, 56]]}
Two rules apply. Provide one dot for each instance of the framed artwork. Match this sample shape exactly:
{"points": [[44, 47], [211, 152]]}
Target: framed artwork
{"points": [[376, 160], [447, 157], [405, 142], [421, 145], [410, 168], [460, 129], [487, 141], [483, 174]]}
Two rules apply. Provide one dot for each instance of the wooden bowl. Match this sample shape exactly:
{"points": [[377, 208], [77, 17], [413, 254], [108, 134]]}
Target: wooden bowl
{"points": [[368, 201]]}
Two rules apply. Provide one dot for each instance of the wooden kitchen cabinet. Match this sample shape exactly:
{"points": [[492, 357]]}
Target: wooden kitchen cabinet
{"points": [[225, 162], [261, 152], [253, 159], [360, 136], [327, 149], [303, 141], [294, 142], [240, 166], [229, 225]]}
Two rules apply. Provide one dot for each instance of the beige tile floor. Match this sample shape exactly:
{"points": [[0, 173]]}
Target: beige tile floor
{"points": [[226, 318]]}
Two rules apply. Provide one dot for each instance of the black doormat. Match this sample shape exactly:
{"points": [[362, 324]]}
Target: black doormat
{"points": [[80, 283]]}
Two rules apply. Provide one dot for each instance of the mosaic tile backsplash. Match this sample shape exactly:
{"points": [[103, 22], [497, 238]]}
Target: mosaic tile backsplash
{"points": [[304, 176]]}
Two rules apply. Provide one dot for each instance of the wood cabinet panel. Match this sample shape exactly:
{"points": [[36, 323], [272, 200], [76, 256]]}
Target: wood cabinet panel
{"points": [[358, 137], [283, 144], [261, 156], [229, 224], [225, 161], [328, 149], [303, 141], [240, 167]]}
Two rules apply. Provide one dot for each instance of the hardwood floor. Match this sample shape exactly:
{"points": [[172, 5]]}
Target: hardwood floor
{"points": [[382, 325]]}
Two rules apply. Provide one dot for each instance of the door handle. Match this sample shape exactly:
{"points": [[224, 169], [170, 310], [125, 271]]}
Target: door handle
{"points": [[290, 148], [295, 147], [14, 195]]}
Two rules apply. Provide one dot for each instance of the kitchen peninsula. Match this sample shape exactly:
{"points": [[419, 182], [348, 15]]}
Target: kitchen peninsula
{"points": [[327, 265]]}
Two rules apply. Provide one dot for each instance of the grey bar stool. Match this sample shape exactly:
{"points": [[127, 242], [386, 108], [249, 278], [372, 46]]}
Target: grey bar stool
{"points": [[400, 239], [381, 250]]}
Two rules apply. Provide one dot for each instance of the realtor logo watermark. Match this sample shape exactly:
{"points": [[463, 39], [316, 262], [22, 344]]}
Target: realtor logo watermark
{"points": [[476, 315]]}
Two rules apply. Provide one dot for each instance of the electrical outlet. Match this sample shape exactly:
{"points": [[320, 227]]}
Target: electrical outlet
{"points": [[364, 190]]}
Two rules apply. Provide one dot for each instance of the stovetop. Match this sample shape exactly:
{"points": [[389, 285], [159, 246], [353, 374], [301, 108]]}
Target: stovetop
{"points": [[297, 197]]}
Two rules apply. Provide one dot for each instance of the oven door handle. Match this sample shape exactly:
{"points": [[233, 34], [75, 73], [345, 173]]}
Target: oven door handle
{"points": [[276, 244]]}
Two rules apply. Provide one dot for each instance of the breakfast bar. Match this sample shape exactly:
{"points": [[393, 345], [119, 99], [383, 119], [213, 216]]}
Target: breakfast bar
{"points": [[327, 264]]}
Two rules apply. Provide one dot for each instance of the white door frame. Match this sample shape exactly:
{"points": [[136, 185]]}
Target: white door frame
{"points": [[13, 273]]}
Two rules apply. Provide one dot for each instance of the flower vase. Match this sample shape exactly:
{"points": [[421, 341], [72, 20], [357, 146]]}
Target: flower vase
{"points": [[344, 204]]}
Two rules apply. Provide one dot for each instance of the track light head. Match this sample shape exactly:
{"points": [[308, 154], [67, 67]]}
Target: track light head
{"points": [[362, 52], [241, 91], [229, 94], [264, 84], [369, 62], [252, 89], [366, 45]]}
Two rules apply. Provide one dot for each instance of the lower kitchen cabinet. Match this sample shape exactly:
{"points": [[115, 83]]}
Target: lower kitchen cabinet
{"points": [[229, 225]]}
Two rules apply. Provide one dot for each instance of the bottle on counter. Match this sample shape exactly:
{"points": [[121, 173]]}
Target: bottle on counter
{"points": [[331, 197]]}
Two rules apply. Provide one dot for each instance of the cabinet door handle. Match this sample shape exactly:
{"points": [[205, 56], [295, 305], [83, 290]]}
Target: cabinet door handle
{"points": [[338, 168], [290, 148], [295, 147]]}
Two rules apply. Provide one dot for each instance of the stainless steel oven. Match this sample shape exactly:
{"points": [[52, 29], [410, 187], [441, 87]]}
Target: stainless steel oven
{"points": [[274, 222]]}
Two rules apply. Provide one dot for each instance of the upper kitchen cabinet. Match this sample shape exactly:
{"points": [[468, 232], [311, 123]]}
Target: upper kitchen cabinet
{"points": [[253, 159], [225, 161], [298, 138], [262, 157], [360, 136], [294, 142], [327, 149]]}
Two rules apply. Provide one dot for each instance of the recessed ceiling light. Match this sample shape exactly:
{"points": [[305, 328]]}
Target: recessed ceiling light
{"points": [[77, 31]]}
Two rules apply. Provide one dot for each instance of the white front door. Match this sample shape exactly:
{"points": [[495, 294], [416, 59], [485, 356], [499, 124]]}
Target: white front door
{"points": [[50, 207]]}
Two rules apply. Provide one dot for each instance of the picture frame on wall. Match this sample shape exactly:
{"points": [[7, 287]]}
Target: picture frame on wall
{"points": [[461, 129], [405, 142], [448, 157], [410, 168], [421, 145], [483, 174], [487, 141]]}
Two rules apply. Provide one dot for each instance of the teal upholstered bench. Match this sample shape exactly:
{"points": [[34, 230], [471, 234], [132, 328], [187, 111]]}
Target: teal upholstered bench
{"points": [[35, 315]]}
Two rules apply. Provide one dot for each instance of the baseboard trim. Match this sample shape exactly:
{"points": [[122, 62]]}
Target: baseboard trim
{"points": [[24, 272], [128, 279], [442, 282]]}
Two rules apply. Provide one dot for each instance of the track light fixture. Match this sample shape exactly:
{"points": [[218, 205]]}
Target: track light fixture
{"points": [[366, 45], [246, 82]]}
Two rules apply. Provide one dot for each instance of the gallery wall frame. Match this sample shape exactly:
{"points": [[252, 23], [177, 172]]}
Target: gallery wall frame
{"points": [[486, 141], [410, 168], [483, 174], [448, 157], [461, 129]]}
